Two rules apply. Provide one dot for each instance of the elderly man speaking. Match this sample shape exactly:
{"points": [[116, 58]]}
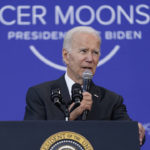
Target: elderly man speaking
{"points": [[81, 53]]}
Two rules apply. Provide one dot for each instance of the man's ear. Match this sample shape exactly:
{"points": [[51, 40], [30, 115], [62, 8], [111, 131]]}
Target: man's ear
{"points": [[65, 55]]}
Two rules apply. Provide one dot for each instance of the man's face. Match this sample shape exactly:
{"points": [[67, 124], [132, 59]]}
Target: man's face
{"points": [[84, 55]]}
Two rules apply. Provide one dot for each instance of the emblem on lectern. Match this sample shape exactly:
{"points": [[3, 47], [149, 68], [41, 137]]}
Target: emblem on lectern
{"points": [[66, 140]]}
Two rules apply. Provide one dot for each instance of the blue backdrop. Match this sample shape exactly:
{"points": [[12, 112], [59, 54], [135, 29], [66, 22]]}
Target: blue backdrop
{"points": [[31, 36]]}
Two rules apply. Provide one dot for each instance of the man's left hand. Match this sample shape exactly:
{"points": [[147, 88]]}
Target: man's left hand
{"points": [[141, 133]]}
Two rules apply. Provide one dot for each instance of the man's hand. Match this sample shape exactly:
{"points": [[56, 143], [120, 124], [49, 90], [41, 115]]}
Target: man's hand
{"points": [[141, 133], [86, 104]]}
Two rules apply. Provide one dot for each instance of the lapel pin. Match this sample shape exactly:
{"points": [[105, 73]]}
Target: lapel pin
{"points": [[96, 95]]}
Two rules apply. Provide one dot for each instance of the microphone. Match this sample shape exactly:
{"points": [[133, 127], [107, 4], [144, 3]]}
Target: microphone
{"points": [[56, 96], [87, 76], [76, 95]]}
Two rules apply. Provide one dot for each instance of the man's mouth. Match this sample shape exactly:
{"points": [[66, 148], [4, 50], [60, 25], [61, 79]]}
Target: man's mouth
{"points": [[87, 68]]}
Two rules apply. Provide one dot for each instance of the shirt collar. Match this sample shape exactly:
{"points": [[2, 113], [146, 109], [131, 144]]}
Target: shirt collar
{"points": [[69, 83]]}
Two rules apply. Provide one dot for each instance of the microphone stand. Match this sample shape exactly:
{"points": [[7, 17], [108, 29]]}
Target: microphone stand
{"points": [[67, 114], [56, 98]]}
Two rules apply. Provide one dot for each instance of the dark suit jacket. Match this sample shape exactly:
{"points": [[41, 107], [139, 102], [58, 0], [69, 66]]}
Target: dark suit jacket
{"points": [[106, 104]]}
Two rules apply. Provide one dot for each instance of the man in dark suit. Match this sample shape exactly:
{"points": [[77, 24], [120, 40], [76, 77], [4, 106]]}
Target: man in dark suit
{"points": [[81, 52]]}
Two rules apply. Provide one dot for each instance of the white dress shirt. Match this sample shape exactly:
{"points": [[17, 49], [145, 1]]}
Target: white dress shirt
{"points": [[69, 83]]}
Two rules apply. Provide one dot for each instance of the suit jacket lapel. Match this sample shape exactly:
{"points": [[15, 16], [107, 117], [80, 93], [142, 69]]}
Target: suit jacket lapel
{"points": [[96, 92], [97, 95], [64, 90]]}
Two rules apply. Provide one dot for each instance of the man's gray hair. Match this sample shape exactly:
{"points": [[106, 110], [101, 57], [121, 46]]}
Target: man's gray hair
{"points": [[69, 35]]}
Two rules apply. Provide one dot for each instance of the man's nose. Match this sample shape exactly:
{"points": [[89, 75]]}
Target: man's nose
{"points": [[89, 57]]}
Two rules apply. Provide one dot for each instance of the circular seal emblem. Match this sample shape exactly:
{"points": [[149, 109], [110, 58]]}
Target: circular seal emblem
{"points": [[66, 140]]}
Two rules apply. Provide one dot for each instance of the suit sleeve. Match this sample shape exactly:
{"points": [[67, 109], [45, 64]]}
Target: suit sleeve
{"points": [[35, 108], [119, 110]]}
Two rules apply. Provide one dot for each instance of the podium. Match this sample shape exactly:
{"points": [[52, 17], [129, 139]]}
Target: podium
{"points": [[101, 135]]}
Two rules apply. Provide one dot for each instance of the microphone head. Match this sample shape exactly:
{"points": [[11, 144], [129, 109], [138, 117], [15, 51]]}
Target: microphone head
{"points": [[87, 74], [76, 93], [56, 95], [76, 85]]}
